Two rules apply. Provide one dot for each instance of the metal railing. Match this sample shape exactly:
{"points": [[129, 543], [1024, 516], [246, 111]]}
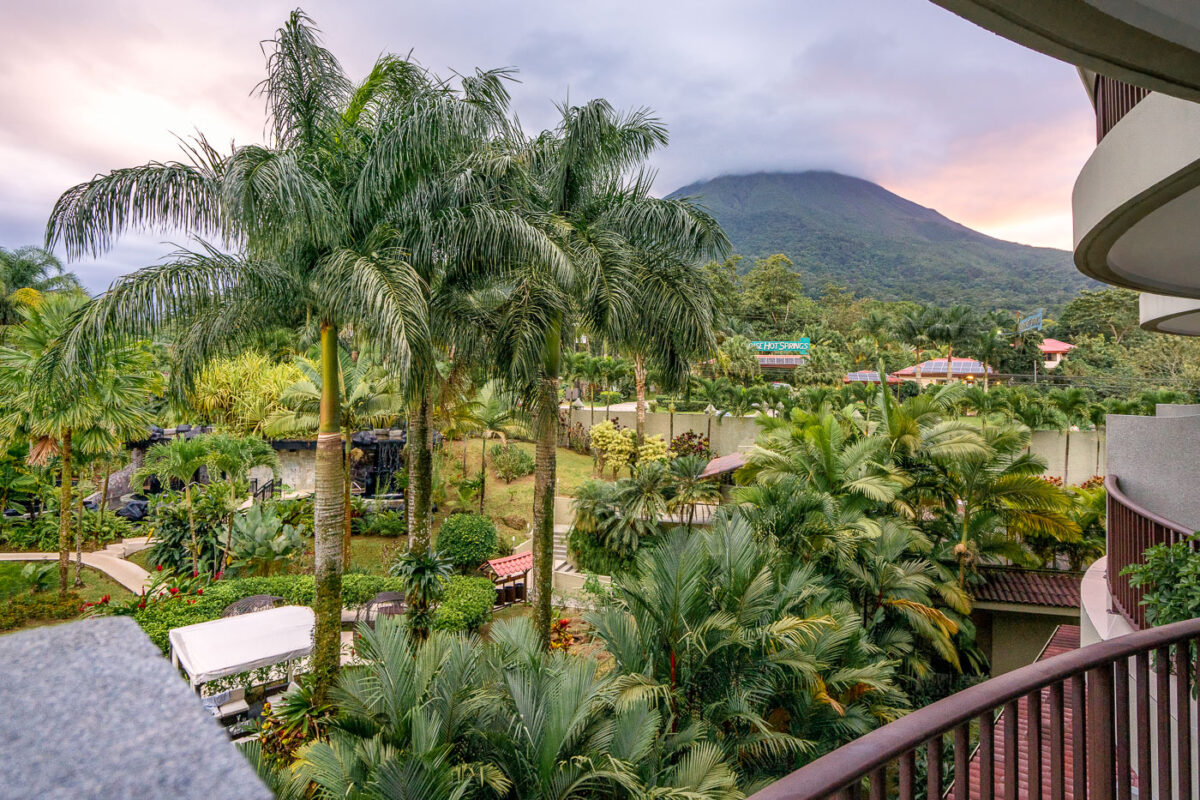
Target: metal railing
{"points": [[262, 492], [1099, 696], [1132, 529], [1114, 99]]}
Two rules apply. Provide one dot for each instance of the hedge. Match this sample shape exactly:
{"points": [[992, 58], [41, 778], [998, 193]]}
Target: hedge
{"points": [[467, 604], [158, 618], [29, 607]]}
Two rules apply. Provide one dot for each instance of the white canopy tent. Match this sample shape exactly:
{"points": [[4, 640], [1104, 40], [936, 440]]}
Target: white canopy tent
{"points": [[221, 647]]}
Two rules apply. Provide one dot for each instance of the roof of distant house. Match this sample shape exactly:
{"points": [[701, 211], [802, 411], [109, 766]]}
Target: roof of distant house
{"points": [[780, 361], [867, 376], [516, 564], [1049, 588], [723, 464], [92, 709], [936, 367], [1055, 347]]}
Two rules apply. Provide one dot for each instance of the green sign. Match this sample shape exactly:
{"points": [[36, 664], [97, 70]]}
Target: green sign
{"points": [[782, 347]]}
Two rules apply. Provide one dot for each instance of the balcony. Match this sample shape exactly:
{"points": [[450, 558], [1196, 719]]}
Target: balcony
{"points": [[1136, 199]]}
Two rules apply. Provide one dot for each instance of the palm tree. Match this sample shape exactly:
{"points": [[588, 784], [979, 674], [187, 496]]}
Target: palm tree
{"points": [[1097, 414], [64, 411], [1073, 405], [588, 192], [955, 325], [997, 495], [689, 488], [25, 274], [423, 574], [178, 460], [370, 397], [338, 219], [494, 415], [232, 458]]}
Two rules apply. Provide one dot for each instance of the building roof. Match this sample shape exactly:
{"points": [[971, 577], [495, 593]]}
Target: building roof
{"points": [[1055, 347], [723, 464], [92, 709], [1064, 639], [1049, 588], [510, 566], [936, 367], [867, 376], [780, 361]]}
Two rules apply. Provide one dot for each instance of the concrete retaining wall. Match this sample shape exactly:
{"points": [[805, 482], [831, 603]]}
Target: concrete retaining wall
{"points": [[730, 435]]}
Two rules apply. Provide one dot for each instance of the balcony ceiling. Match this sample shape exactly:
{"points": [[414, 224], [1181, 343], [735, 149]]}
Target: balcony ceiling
{"points": [[1150, 43], [1177, 315], [1137, 201]]}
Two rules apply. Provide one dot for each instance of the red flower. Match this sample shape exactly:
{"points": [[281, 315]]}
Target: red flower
{"points": [[159, 568], [174, 590], [199, 591], [218, 576], [141, 605], [195, 574], [104, 600]]}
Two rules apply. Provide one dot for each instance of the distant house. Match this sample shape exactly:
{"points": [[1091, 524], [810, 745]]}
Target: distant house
{"points": [[934, 371], [1054, 352]]}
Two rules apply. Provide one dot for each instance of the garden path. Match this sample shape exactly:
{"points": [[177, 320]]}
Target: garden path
{"points": [[111, 561]]}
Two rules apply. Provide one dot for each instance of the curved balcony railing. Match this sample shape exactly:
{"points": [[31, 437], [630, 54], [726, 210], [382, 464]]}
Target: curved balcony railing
{"points": [[1113, 100], [1070, 725], [1132, 529]]}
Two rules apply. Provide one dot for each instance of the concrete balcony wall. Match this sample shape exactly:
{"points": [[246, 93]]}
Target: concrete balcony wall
{"points": [[1136, 199], [1154, 459], [1177, 315]]}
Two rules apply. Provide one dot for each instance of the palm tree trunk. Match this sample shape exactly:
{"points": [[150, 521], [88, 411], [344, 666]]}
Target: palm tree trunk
{"points": [[1097, 429], [639, 380], [1067, 456], [187, 500], [104, 491], [64, 515], [79, 539], [482, 469], [328, 512], [420, 474], [543, 505], [349, 440]]}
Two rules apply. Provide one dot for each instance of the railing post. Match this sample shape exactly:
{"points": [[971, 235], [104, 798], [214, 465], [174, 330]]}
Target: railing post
{"points": [[1099, 742]]}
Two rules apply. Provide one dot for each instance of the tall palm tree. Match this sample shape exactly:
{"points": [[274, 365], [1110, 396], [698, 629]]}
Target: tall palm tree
{"points": [[178, 460], [371, 396], [1073, 405], [591, 195], [64, 411], [496, 415], [25, 274], [337, 219], [689, 487]]}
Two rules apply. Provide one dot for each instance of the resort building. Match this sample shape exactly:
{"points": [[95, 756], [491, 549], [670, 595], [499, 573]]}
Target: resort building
{"points": [[1109, 709], [1054, 352], [933, 371]]}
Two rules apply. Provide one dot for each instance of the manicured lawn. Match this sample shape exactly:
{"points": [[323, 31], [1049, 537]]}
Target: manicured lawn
{"points": [[95, 583], [510, 499]]}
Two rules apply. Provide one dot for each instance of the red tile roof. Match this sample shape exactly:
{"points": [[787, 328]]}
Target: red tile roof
{"points": [[1064, 640], [1029, 587], [512, 565], [1052, 346]]}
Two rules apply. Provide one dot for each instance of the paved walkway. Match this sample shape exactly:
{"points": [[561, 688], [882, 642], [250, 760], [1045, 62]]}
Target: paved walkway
{"points": [[111, 561]]}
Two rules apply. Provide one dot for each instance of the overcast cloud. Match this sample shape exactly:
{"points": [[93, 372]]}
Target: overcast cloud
{"points": [[896, 91]]}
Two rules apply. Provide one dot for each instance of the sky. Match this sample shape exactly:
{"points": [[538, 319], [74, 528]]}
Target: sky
{"points": [[900, 92]]}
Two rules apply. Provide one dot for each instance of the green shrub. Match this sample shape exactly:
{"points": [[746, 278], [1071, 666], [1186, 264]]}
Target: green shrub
{"points": [[297, 511], [1171, 576], [24, 608], [511, 462], [466, 605], [467, 540], [159, 617], [593, 555], [172, 539], [40, 535], [384, 523]]}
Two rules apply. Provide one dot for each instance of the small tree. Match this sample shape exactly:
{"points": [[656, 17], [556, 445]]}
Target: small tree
{"points": [[466, 540]]}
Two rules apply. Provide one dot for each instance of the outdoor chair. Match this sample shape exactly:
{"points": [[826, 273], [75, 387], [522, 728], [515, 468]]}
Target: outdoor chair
{"points": [[385, 604], [248, 605]]}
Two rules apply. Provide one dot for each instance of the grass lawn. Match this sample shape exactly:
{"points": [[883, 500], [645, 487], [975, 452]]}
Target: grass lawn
{"points": [[95, 583], [509, 499]]}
